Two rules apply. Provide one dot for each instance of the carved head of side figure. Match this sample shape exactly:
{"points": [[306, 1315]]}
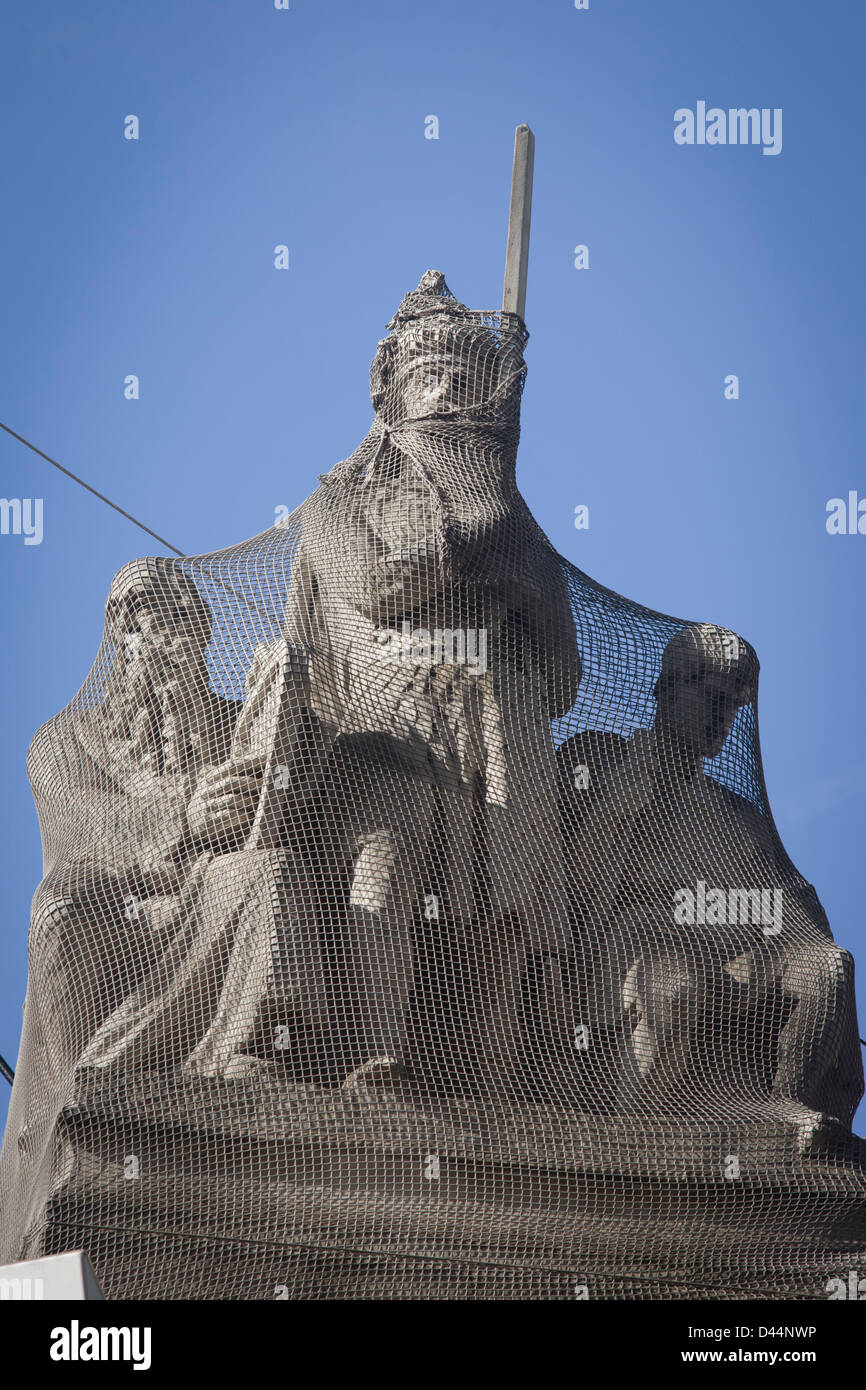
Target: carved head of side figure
{"points": [[707, 673], [157, 622]]}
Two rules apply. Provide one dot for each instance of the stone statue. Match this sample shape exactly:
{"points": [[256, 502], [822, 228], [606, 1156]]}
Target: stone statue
{"points": [[708, 937], [382, 979], [420, 582], [246, 897], [112, 776], [117, 878]]}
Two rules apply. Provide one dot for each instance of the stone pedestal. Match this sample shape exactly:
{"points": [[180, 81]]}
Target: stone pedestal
{"points": [[216, 1189]]}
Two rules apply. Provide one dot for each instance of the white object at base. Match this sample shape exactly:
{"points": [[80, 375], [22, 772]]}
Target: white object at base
{"points": [[55, 1278]]}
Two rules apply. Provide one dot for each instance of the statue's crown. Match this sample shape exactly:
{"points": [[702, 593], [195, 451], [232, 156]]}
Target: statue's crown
{"points": [[431, 297]]}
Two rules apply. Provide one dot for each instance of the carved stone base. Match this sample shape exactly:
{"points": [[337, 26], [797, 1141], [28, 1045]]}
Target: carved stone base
{"points": [[249, 1188]]}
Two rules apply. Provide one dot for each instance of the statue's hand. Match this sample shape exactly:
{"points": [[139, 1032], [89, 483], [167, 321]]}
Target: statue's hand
{"points": [[159, 869], [223, 805]]}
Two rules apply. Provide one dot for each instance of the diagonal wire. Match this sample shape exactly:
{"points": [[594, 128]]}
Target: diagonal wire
{"points": [[223, 584], [100, 495]]}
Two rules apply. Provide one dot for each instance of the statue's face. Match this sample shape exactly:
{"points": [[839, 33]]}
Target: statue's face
{"points": [[696, 707], [154, 629], [438, 368]]}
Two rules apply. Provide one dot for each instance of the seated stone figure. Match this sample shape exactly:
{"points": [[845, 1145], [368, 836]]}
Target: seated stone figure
{"points": [[112, 784], [710, 966], [248, 897], [314, 954], [435, 792]]}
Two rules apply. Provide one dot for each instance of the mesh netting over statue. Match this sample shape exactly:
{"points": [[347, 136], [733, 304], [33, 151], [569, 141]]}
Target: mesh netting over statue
{"points": [[414, 923]]}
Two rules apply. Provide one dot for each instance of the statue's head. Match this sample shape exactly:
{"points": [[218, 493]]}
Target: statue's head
{"points": [[441, 358], [155, 612], [707, 673]]}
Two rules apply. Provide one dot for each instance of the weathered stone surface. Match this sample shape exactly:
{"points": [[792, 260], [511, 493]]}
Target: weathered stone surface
{"points": [[325, 1194]]}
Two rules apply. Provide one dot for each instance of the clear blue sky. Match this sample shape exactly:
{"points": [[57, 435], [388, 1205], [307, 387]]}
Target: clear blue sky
{"points": [[306, 127]]}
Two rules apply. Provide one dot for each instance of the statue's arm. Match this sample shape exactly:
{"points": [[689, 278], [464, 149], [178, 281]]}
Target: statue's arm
{"points": [[549, 627]]}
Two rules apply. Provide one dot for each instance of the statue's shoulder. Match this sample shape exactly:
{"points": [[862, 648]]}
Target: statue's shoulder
{"points": [[587, 765], [599, 750], [748, 822], [739, 809], [57, 750]]}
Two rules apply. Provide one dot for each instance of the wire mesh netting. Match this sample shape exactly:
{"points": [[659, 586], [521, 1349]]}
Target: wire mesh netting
{"points": [[413, 920]]}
